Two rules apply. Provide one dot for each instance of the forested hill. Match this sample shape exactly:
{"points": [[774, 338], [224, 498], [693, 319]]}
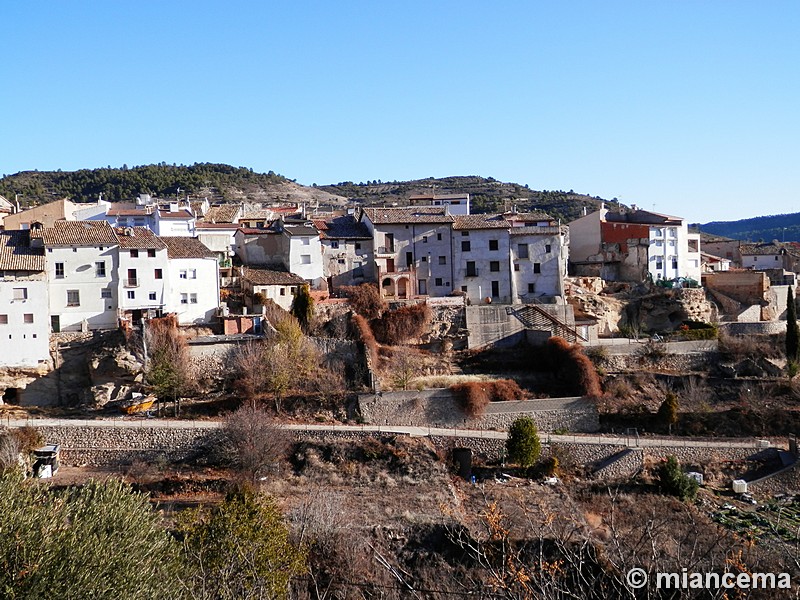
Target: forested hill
{"points": [[487, 195], [773, 227], [223, 182], [125, 184]]}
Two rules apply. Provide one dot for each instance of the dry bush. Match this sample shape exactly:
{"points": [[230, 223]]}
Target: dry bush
{"points": [[572, 365], [475, 396], [9, 451], [364, 333], [28, 438], [252, 443], [506, 390], [739, 347], [398, 326], [365, 299]]}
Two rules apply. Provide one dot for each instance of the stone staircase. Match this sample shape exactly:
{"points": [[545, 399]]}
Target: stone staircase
{"points": [[536, 318]]}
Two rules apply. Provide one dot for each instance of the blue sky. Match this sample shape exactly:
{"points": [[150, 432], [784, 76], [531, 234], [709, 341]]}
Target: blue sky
{"points": [[688, 108]]}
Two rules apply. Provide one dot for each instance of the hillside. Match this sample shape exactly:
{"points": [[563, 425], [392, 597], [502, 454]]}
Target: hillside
{"points": [[213, 181], [226, 183], [487, 195], [772, 227]]}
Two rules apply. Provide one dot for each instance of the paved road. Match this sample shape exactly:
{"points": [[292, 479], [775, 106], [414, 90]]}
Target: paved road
{"points": [[593, 439]]}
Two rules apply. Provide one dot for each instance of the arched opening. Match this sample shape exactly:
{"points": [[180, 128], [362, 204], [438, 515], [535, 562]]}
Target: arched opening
{"points": [[388, 287], [11, 396], [402, 288]]}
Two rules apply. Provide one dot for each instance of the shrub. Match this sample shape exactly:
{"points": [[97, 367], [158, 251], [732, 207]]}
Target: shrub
{"points": [[397, 326], [363, 332], [303, 306], [673, 481], [506, 390], [365, 299], [523, 443], [597, 354], [570, 363], [474, 396]]}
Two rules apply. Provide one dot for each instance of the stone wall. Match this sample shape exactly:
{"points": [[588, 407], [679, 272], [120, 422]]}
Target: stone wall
{"points": [[440, 408], [762, 328]]}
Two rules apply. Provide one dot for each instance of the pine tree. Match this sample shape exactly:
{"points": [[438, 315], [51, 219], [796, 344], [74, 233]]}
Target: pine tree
{"points": [[792, 330], [523, 443]]}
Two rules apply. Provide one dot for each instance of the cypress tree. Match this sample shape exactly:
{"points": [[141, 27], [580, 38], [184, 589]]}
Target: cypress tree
{"points": [[792, 331]]}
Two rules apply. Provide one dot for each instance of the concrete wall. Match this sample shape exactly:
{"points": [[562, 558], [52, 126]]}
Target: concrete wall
{"points": [[495, 326], [440, 408]]}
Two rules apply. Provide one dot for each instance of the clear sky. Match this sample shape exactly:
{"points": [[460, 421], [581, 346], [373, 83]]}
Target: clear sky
{"points": [[688, 108]]}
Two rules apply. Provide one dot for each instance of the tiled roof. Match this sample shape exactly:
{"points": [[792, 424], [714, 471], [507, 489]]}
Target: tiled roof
{"points": [[345, 227], [263, 214], [16, 253], [480, 222], [643, 217], [79, 233], [138, 238], [271, 276], [255, 231], [218, 226], [439, 197], [128, 212], [222, 214], [546, 230], [300, 230], [180, 214], [529, 217], [414, 214], [186, 247], [770, 248]]}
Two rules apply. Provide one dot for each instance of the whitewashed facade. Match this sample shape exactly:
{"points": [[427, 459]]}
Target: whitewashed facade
{"points": [[193, 281]]}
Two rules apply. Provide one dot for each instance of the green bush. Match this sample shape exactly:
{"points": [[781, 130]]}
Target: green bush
{"points": [[523, 443], [673, 481]]}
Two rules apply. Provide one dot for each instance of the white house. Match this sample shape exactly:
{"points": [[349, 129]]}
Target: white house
{"points": [[539, 256], [634, 245], [143, 268], [274, 284], [193, 282], [303, 253], [24, 328], [347, 253], [458, 204], [177, 221], [82, 265]]}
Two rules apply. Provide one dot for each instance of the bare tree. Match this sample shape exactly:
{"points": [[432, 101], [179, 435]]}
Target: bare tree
{"points": [[253, 443]]}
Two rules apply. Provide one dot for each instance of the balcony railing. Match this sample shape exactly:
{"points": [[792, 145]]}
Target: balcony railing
{"points": [[131, 283], [471, 273], [385, 250]]}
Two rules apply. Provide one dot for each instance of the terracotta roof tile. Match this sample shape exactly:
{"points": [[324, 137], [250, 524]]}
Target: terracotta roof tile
{"points": [[16, 253], [345, 227], [79, 233], [222, 214], [415, 214], [186, 247], [480, 222], [138, 238], [271, 276]]}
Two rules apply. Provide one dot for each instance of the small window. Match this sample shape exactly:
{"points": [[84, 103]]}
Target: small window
{"points": [[184, 298], [358, 245], [494, 266], [134, 253], [522, 250], [424, 259], [27, 318], [152, 296], [516, 267], [131, 294], [192, 298], [471, 270], [465, 233], [60, 270], [438, 282], [182, 274], [73, 298], [100, 268], [305, 259], [493, 245], [283, 291], [424, 239], [531, 288], [158, 274], [151, 253], [105, 293], [548, 248], [334, 244], [3, 319], [659, 264], [74, 249], [537, 267], [20, 293], [675, 263], [192, 273], [439, 236], [464, 289], [465, 246], [341, 261], [442, 260]]}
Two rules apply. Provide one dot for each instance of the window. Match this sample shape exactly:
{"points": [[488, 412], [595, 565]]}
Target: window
{"points": [[192, 298], [424, 259], [335, 244], [537, 267], [495, 289], [20, 293], [438, 282], [659, 264], [493, 245], [442, 260], [134, 254], [182, 274], [358, 245], [305, 259], [151, 253], [522, 250], [471, 270], [675, 262], [494, 266], [439, 236], [184, 298], [74, 249], [158, 274], [341, 261], [100, 268], [27, 318], [548, 248], [131, 294], [464, 289], [673, 232], [465, 233], [73, 298], [531, 288], [3, 319], [306, 241], [424, 239], [105, 293], [59, 270], [152, 296], [465, 246], [192, 273], [516, 267]]}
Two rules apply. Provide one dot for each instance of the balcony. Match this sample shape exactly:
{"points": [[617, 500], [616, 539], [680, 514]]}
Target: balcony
{"points": [[130, 283], [471, 273], [385, 251]]}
